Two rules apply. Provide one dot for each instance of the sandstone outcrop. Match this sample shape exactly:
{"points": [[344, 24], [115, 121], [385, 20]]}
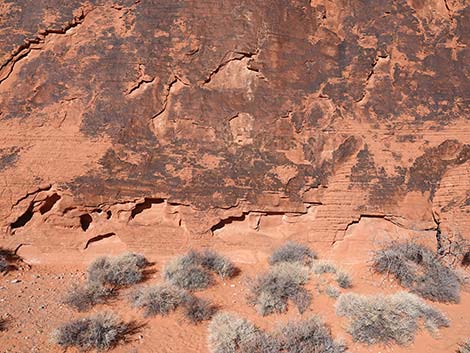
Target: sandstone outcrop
{"points": [[156, 125]]}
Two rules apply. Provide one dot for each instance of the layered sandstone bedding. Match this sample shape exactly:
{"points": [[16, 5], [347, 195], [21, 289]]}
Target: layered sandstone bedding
{"points": [[158, 126]]}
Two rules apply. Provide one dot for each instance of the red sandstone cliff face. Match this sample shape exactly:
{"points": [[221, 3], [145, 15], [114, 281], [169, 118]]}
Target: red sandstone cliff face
{"points": [[158, 125]]}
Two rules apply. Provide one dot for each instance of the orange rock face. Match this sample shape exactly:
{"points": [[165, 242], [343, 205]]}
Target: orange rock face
{"points": [[159, 125]]}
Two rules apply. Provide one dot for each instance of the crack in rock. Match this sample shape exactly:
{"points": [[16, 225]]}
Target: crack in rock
{"points": [[171, 88], [238, 56], [143, 82], [25, 49], [387, 217], [369, 76]]}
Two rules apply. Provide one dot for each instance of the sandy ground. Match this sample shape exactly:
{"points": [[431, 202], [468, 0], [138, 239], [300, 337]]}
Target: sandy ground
{"points": [[30, 304]]}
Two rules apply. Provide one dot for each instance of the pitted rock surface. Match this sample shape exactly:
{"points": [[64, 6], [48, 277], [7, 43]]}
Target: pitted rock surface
{"points": [[153, 125]]}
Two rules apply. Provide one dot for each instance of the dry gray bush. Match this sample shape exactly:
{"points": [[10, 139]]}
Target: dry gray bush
{"points": [[218, 264], [310, 335], [420, 270], [4, 265], [332, 291], [270, 292], [197, 309], [260, 342], [343, 280], [104, 276], [292, 252], [320, 267], [160, 299], [387, 319], [464, 347], [101, 332], [8, 260], [84, 296], [119, 271], [192, 271], [164, 298], [228, 333], [186, 274]]}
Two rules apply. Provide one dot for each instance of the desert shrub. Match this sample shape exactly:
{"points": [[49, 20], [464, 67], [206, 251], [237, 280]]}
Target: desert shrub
{"points": [[164, 298], [387, 319], [343, 280], [464, 347], [292, 252], [259, 342], [185, 274], [320, 267], [301, 299], [8, 260], [310, 335], [160, 299], [84, 296], [3, 324], [228, 332], [420, 270], [271, 291], [4, 265], [101, 332], [197, 309], [453, 249], [218, 264], [332, 292], [192, 271], [119, 271]]}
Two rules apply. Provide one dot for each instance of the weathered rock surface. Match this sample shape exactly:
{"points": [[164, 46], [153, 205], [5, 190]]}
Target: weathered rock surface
{"points": [[155, 125]]}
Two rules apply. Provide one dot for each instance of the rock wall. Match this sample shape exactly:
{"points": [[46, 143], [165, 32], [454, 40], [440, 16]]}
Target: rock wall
{"points": [[161, 124]]}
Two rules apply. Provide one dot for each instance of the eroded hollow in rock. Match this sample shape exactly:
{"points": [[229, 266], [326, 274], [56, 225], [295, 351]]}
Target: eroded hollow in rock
{"points": [[140, 207], [85, 221], [24, 218], [49, 202], [226, 221]]}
